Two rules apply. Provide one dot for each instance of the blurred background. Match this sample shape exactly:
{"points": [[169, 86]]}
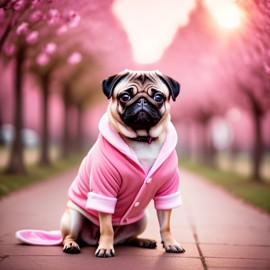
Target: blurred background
{"points": [[54, 54]]}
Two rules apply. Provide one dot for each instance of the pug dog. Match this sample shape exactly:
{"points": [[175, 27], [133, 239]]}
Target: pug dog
{"points": [[133, 162]]}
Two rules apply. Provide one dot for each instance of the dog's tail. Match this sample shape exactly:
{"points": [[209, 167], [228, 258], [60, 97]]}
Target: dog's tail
{"points": [[39, 237]]}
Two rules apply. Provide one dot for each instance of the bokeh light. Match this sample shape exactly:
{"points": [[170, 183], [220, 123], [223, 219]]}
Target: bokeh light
{"points": [[226, 12]]}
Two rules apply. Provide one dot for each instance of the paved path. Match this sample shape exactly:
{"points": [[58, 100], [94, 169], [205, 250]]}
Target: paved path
{"points": [[217, 231]]}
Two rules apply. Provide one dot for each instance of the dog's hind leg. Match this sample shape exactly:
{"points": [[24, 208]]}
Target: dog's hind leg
{"points": [[128, 235], [71, 224]]}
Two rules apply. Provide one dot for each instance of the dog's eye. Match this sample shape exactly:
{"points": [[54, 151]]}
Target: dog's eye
{"points": [[158, 97], [125, 97]]}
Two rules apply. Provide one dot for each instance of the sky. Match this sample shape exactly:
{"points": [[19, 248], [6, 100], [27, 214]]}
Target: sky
{"points": [[151, 25]]}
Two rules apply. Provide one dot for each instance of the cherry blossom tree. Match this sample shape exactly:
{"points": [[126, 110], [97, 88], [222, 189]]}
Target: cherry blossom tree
{"points": [[15, 37], [45, 64], [76, 92], [239, 73], [197, 55], [65, 77], [90, 93], [24, 25], [248, 63], [43, 69]]}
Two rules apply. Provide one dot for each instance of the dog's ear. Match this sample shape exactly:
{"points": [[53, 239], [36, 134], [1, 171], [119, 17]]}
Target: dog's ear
{"points": [[173, 85], [109, 83]]}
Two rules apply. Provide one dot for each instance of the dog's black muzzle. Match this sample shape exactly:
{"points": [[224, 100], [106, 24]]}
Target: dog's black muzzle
{"points": [[141, 114]]}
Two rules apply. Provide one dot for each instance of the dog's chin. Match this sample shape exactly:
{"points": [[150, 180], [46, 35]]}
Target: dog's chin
{"points": [[141, 120]]}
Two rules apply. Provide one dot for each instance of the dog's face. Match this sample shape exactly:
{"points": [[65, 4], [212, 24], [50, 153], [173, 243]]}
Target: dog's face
{"points": [[140, 102]]}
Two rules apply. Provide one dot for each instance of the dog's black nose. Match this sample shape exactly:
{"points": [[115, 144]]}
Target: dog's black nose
{"points": [[142, 101]]}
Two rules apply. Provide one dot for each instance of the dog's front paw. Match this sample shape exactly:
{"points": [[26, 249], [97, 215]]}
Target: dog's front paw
{"points": [[71, 247], [172, 247], [104, 253]]}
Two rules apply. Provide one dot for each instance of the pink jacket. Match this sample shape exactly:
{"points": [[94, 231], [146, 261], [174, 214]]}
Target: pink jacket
{"points": [[111, 179]]}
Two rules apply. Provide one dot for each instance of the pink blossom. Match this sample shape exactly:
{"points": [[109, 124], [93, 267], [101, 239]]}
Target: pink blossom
{"points": [[32, 37], [53, 12], [63, 29], [18, 4], [2, 14], [9, 49], [36, 3], [71, 14], [42, 59], [36, 16], [50, 48], [22, 29], [74, 58], [53, 16], [73, 19], [74, 22]]}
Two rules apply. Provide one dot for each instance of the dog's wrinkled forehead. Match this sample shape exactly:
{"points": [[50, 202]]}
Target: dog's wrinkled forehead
{"points": [[142, 77], [141, 80]]}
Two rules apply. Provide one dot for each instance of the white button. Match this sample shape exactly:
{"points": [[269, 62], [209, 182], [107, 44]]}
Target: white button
{"points": [[149, 180], [136, 204]]}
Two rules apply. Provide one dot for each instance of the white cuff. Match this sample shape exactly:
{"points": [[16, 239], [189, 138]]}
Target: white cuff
{"points": [[101, 203], [168, 202]]}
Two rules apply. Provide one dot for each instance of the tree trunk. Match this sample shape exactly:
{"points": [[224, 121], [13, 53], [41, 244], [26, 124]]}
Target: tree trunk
{"points": [[4, 37], [44, 157], [79, 136], [185, 146], [66, 145], [258, 147], [16, 162], [207, 153]]}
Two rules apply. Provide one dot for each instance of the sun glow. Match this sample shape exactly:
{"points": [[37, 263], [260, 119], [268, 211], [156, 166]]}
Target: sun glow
{"points": [[151, 25], [226, 12]]}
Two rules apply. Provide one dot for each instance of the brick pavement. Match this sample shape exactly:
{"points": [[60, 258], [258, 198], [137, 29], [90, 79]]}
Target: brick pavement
{"points": [[217, 230]]}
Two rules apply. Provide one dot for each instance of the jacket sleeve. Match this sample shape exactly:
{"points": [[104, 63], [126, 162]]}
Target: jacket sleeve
{"points": [[169, 196], [104, 184]]}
